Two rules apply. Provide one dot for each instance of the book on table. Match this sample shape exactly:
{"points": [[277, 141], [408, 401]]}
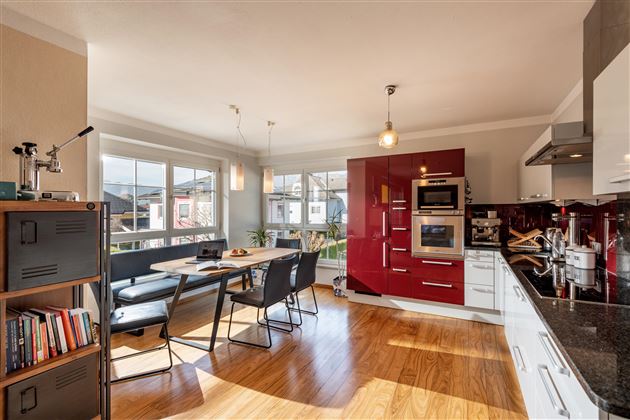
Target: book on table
{"points": [[216, 265]]}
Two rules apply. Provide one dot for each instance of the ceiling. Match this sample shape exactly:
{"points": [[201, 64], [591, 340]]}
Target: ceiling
{"points": [[319, 69]]}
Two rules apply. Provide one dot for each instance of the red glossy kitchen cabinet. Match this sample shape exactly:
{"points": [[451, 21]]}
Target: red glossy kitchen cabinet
{"points": [[400, 177], [368, 205], [439, 164], [439, 280]]}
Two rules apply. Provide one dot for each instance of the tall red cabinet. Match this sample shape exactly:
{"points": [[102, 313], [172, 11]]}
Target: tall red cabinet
{"points": [[368, 199]]}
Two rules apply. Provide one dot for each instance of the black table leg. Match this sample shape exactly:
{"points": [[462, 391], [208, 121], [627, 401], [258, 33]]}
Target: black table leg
{"points": [[251, 277], [218, 310], [178, 292]]}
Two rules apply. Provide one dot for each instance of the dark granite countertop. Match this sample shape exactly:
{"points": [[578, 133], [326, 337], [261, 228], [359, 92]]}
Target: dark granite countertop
{"points": [[594, 339]]}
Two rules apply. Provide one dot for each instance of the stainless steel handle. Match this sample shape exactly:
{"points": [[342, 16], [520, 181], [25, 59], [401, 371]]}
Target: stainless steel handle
{"points": [[519, 293], [518, 356], [556, 362], [399, 228], [552, 391], [436, 262], [399, 249], [399, 201], [384, 255], [482, 290], [523, 199], [399, 208], [399, 270], [428, 283], [437, 174], [483, 267], [618, 179], [384, 223], [536, 196]]}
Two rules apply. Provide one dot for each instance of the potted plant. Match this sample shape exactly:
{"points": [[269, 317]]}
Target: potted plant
{"points": [[260, 237]]}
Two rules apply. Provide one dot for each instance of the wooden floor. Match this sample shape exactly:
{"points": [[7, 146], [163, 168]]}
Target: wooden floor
{"points": [[351, 360]]}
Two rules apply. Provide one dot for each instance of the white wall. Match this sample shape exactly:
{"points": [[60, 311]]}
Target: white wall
{"points": [[241, 209], [491, 157]]}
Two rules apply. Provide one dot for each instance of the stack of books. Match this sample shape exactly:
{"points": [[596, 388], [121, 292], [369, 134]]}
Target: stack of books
{"points": [[36, 335]]}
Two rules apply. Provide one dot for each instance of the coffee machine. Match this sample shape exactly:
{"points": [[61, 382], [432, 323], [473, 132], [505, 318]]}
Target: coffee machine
{"points": [[486, 232]]}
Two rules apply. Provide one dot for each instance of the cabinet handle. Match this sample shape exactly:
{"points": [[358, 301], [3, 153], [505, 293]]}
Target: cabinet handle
{"points": [[618, 179], [523, 199], [437, 262], [384, 224], [482, 267], [557, 365], [399, 249], [399, 270], [23, 409], [519, 293], [518, 356], [400, 228], [384, 255], [399, 201], [552, 391], [482, 290], [399, 208], [436, 174], [428, 283]]}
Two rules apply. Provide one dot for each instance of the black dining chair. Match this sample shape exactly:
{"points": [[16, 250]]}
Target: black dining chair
{"points": [[304, 278], [277, 288], [285, 243]]}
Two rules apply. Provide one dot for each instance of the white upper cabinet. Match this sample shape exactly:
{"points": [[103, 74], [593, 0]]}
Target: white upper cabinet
{"points": [[611, 127], [535, 183]]}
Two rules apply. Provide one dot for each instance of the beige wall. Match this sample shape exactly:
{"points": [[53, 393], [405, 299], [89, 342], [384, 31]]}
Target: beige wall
{"points": [[491, 158], [43, 99]]}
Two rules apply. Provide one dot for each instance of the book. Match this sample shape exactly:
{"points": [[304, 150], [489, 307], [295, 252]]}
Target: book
{"points": [[77, 320], [38, 354], [48, 318], [92, 327], [67, 327], [12, 342], [215, 265], [88, 327], [21, 343], [44, 334]]}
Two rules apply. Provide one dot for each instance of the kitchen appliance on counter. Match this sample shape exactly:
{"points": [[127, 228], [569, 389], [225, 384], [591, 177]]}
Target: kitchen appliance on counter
{"points": [[486, 232]]}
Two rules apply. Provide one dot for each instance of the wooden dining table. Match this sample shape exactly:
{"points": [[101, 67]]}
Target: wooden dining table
{"points": [[255, 257]]}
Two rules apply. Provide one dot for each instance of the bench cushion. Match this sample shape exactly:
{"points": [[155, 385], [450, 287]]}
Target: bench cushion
{"points": [[161, 289], [143, 315]]}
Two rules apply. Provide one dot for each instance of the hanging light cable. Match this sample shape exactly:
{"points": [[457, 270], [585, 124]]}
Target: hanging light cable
{"points": [[388, 137], [237, 171], [268, 172]]}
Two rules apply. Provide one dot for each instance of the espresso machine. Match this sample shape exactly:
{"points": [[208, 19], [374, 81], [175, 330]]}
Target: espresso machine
{"points": [[486, 232]]}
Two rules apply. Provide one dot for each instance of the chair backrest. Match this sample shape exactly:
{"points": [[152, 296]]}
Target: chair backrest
{"points": [[278, 281], [288, 243], [307, 270]]}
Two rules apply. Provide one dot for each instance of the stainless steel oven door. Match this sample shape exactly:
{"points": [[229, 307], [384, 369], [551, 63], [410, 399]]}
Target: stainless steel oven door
{"points": [[437, 235], [438, 194]]}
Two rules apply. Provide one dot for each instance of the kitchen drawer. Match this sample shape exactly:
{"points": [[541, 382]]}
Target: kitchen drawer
{"points": [[400, 236], [439, 269], [479, 296], [479, 272], [438, 290], [400, 214], [478, 255], [399, 282], [400, 259]]}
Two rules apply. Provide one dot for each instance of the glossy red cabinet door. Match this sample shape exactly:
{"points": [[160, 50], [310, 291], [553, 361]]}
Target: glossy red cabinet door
{"points": [[400, 178], [439, 164], [439, 280], [368, 196], [438, 291]]}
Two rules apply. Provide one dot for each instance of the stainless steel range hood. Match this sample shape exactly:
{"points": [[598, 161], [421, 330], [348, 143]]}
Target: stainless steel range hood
{"points": [[568, 144]]}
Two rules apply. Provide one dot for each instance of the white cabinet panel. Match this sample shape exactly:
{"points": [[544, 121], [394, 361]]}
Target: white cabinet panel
{"points": [[535, 183], [479, 296], [611, 127], [479, 272]]}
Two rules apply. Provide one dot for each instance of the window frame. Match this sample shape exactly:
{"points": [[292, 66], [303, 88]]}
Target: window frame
{"points": [[148, 154]]}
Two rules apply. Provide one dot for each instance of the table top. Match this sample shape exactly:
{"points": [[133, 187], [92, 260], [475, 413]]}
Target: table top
{"points": [[258, 256]]}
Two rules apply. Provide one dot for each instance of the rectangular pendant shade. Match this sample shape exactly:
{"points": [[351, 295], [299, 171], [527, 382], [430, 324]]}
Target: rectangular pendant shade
{"points": [[237, 176], [268, 180]]}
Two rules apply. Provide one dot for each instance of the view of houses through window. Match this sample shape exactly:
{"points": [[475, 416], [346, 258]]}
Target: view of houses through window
{"points": [[148, 211], [304, 204]]}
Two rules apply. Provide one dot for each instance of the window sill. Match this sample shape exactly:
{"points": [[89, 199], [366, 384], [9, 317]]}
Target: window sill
{"points": [[327, 264]]}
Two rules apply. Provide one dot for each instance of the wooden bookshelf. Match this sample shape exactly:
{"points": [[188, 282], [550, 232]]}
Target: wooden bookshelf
{"points": [[55, 294]]}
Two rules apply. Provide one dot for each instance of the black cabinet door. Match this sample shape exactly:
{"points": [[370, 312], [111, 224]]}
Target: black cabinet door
{"points": [[51, 247]]}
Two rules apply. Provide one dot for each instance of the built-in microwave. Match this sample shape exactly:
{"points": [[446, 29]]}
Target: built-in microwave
{"points": [[438, 194], [437, 233]]}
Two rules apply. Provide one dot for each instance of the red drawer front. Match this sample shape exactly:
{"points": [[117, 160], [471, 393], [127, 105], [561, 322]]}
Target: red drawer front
{"points": [[399, 215], [400, 259], [434, 269], [400, 237], [399, 283], [438, 291]]}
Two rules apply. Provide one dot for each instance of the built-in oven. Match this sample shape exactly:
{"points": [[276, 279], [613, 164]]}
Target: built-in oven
{"points": [[437, 233], [438, 194]]}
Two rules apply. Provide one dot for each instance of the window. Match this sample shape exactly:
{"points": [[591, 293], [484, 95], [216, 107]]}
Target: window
{"points": [[154, 204], [136, 191], [321, 196]]}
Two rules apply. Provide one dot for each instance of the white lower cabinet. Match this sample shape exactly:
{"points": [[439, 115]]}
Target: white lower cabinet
{"points": [[549, 387], [479, 281]]}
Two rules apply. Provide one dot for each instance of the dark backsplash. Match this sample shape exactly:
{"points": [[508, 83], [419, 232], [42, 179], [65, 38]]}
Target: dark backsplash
{"points": [[526, 217]]}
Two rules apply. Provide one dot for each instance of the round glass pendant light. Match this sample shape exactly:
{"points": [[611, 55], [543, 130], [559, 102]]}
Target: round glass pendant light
{"points": [[268, 172], [388, 137]]}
